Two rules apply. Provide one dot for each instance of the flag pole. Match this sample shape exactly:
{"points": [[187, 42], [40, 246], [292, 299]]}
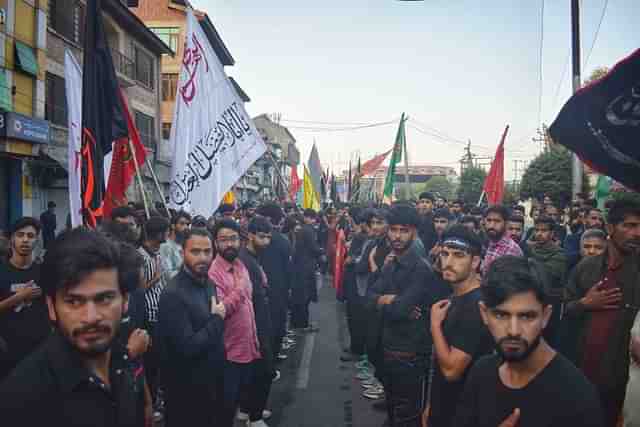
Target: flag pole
{"points": [[157, 183], [481, 198], [139, 178], [406, 163]]}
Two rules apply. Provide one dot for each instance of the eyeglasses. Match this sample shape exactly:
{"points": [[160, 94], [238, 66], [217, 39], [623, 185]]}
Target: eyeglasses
{"points": [[228, 240]]}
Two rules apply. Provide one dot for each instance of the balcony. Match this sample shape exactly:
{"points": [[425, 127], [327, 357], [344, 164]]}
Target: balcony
{"points": [[123, 65]]}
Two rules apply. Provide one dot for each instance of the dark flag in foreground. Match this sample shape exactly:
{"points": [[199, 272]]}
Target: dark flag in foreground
{"points": [[103, 119], [601, 123]]}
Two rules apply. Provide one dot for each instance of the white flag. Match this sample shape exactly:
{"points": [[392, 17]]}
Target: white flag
{"points": [[73, 89], [214, 140]]}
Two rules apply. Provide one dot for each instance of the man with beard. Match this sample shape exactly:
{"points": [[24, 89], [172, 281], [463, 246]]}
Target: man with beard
{"points": [[500, 244], [603, 300], [76, 378], [593, 220], [440, 222], [276, 262], [235, 291], [23, 312], [171, 250], [527, 384], [256, 392], [515, 227], [405, 287], [190, 330], [459, 337], [126, 215], [426, 230]]}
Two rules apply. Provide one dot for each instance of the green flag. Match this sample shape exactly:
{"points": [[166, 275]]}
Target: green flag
{"points": [[603, 189], [396, 158]]}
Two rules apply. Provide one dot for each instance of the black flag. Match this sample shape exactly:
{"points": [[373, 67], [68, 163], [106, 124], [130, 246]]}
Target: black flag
{"points": [[601, 123], [103, 118]]}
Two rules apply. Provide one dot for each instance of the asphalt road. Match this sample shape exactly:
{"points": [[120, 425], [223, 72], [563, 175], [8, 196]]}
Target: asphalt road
{"points": [[317, 389]]}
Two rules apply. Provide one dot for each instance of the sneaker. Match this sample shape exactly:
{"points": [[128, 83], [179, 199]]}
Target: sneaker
{"points": [[260, 423], [276, 377], [266, 414], [282, 356], [286, 346], [363, 364], [374, 393], [363, 375], [242, 416], [369, 382], [157, 416]]}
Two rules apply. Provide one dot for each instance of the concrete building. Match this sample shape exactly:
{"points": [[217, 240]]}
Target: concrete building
{"points": [[24, 132], [136, 53]]}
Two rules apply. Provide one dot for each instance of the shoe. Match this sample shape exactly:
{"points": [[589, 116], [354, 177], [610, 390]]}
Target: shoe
{"points": [[287, 346], [276, 377], [259, 423], [380, 405], [289, 341], [363, 375], [242, 416], [282, 356], [157, 416], [369, 382], [363, 363], [374, 393], [266, 414]]}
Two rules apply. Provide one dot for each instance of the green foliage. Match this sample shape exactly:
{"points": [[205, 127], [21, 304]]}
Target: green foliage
{"points": [[471, 182], [549, 173], [440, 185], [596, 74], [510, 194], [625, 195]]}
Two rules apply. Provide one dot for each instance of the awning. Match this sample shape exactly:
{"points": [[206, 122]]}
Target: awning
{"points": [[5, 92], [26, 58]]}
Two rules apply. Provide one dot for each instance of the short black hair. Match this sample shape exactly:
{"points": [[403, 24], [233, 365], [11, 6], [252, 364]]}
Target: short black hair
{"points": [[77, 253], [516, 218], [117, 231], [226, 208], [178, 215], [621, 208], [131, 263], [470, 218], [25, 221], [545, 220], [199, 221], [427, 196], [403, 215], [123, 212], [458, 202], [512, 275], [259, 225], [155, 228], [224, 223], [501, 210], [196, 231], [442, 213], [461, 233], [476, 210], [309, 213], [376, 213], [272, 211], [518, 208]]}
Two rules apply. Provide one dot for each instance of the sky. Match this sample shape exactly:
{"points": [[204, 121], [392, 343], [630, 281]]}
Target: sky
{"points": [[460, 69]]}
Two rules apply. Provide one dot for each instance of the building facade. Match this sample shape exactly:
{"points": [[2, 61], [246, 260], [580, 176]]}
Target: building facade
{"points": [[136, 54]]}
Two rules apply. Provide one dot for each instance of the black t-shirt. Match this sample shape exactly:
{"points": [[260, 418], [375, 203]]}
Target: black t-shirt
{"points": [[463, 329], [559, 396], [26, 325]]}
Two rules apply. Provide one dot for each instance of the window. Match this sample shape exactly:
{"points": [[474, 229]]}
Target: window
{"points": [[55, 109], [171, 36], [166, 131], [66, 17], [144, 67], [169, 86], [145, 125]]}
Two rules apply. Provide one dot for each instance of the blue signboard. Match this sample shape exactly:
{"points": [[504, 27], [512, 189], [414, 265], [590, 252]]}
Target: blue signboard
{"points": [[24, 128]]}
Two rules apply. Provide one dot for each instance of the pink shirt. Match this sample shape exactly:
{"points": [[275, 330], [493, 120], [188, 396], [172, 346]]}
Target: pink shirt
{"points": [[235, 292]]}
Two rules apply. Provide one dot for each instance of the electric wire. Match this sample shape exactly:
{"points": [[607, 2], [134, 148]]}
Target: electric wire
{"points": [[595, 37]]}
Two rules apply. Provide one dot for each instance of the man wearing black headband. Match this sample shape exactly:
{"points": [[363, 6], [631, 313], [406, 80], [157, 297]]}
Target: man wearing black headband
{"points": [[459, 336], [405, 287]]}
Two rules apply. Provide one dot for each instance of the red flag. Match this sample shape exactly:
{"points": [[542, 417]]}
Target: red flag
{"points": [[494, 183], [370, 166], [338, 272], [295, 183], [123, 167]]}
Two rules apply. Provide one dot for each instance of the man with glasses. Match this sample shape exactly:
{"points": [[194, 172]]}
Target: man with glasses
{"points": [[235, 291]]}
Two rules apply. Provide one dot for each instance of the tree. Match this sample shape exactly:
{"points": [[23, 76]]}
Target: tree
{"points": [[510, 193], [596, 74], [440, 185], [550, 173], [471, 182]]}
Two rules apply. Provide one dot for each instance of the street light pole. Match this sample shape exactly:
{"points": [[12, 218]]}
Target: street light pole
{"points": [[576, 165]]}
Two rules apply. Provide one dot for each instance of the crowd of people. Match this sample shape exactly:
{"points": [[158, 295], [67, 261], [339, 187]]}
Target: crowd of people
{"points": [[457, 315]]}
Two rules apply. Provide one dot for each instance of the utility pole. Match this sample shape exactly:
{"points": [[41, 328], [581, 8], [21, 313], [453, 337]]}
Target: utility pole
{"points": [[576, 165]]}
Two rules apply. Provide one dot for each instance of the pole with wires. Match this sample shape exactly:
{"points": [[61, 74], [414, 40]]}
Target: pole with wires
{"points": [[576, 165]]}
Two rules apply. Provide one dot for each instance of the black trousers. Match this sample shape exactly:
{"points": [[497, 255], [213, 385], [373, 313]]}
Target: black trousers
{"points": [[254, 395], [357, 323], [278, 324], [404, 386], [236, 377], [300, 315]]}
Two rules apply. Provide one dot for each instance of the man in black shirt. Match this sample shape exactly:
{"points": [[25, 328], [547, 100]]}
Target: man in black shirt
{"points": [[426, 229], [49, 224], [404, 288], [75, 378], [23, 311], [190, 331], [527, 384], [459, 336]]}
